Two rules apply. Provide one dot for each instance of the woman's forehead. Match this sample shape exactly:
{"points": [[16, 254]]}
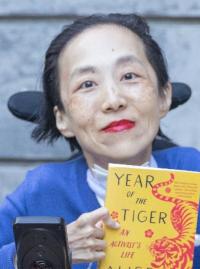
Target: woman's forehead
{"points": [[102, 43]]}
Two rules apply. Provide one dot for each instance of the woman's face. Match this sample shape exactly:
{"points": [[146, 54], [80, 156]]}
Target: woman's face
{"points": [[110, 96]]}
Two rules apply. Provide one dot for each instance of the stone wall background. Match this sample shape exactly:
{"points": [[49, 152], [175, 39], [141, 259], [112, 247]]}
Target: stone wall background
{"points": [[27, 27]]}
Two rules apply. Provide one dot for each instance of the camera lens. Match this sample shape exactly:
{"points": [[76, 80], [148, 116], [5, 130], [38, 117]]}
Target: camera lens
{"points": [[41, 265]]}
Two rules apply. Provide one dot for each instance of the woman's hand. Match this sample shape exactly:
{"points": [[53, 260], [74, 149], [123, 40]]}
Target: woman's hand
{"points": [[85, 235]]}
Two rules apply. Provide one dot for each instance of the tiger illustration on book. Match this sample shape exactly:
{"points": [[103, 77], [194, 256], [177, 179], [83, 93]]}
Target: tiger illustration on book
{"points": [[177, 252]]}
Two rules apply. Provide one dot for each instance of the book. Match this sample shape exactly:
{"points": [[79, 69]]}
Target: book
{"points": [[157, 210]]}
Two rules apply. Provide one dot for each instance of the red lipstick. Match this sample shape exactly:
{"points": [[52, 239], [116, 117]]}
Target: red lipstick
{"points": [[119, 126]]}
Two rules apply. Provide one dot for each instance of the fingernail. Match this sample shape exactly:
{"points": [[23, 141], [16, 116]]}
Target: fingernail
{"points": [[117, 225]]}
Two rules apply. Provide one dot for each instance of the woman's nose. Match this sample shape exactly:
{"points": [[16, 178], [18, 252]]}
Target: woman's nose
{"points": [[113, 100]]}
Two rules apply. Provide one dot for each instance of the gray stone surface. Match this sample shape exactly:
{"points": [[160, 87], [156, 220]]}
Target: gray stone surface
{"points": [[180, 42], [22, 47], [85, 7]]}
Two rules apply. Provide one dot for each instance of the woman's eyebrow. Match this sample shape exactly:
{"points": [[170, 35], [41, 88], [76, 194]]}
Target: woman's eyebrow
{"points": [[128, 59], [83, 70]]}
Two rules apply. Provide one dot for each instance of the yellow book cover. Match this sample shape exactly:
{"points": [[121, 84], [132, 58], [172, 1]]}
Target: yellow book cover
{"points": [[157, 211]]}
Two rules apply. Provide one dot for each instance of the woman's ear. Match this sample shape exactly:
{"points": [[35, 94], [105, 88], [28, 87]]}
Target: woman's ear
{"points": [[165, 100], [63, 122]]}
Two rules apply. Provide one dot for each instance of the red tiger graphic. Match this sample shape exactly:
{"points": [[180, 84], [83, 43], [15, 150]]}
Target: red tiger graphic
{"points": [[175, 253]]}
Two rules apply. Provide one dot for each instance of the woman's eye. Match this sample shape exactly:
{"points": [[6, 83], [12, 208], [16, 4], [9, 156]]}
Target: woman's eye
{"points": [[129, 76], [87, 84]]}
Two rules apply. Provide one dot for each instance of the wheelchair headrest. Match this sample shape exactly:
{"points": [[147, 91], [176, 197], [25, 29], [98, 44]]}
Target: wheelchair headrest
{"points": [[26, 105], [181, 93]]}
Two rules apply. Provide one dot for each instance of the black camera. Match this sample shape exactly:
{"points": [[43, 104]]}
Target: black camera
{"points": [[41, 243]]}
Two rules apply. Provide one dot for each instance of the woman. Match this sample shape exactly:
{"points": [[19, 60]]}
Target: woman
{"points": [[106, 88]]}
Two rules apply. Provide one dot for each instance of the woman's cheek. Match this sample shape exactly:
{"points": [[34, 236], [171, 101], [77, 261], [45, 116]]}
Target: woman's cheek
{"points": [[79, 109], [75, 105], [149, 98]]}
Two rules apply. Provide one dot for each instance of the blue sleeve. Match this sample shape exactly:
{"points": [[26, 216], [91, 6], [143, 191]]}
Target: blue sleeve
{"points": [[7, 253], [14, 205]]}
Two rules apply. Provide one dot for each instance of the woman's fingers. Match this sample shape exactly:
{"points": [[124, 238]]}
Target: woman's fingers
{"points": [[100, 214], [74, 233], [93, 217], [108, 221], [90, 243], [86, 233], [99, 233], [86, 255]]}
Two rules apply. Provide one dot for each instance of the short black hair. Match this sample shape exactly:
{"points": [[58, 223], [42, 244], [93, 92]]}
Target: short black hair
{"points": [[46, 128]]}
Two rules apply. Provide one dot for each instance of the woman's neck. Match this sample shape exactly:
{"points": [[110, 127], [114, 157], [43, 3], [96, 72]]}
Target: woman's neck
{"points": [[103, 161]]}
